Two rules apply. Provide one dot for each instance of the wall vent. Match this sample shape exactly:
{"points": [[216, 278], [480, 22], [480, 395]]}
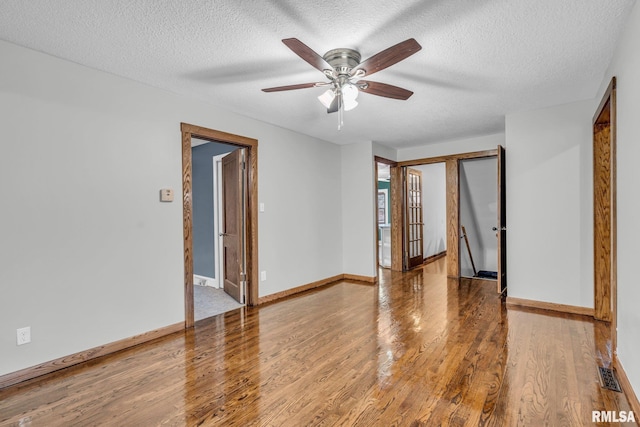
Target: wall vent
{"points": [[608, 379]]}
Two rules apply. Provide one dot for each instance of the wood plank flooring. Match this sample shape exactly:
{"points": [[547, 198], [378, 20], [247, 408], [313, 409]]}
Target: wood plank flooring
{"points": [[416, 350]]}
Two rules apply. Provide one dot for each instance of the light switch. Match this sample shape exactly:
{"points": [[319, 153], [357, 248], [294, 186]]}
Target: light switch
{"points": [[166, 195], [261, 207]]}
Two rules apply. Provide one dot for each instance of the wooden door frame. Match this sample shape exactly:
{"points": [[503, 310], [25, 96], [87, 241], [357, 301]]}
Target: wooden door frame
{"points": [[606, 294], [251, 238], [452, 165]]}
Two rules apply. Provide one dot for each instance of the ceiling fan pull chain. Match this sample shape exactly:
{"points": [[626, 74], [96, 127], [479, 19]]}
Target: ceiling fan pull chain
{"points": [[340, 112]]}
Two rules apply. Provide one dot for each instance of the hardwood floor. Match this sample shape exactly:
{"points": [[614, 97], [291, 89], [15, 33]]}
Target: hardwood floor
{"points": [[416, 350]]}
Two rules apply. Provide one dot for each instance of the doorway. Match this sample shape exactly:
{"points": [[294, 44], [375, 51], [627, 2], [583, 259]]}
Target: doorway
{"points": [[211, 296], [478, 218], [384, 202], [452, 165], [247, 240], [433, 226]]}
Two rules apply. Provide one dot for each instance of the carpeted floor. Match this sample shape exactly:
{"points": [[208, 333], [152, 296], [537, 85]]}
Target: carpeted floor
{"points": [[210, 301]]}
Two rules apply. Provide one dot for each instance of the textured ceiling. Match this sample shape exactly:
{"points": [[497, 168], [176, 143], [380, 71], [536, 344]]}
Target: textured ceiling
{"points": [[480, 59]]}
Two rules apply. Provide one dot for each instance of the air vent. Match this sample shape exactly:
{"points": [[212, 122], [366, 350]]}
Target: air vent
{"points": [[608, 379]]}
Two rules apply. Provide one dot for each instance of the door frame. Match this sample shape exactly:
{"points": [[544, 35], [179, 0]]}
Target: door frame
{"points": [[251, 238], [452, 166], [606, 291]]}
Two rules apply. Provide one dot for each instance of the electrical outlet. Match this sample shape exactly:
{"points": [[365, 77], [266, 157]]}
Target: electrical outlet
{"points": [[263, 276], [24, 335]]}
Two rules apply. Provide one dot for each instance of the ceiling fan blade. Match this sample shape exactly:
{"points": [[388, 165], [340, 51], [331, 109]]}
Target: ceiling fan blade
{"points": [[383, 89], [306, 53], [388, 57], [290, 87]]}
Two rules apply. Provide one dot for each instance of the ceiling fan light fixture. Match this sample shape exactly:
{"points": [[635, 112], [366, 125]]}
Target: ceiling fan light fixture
{"points": [[350, 105], [349, 95], [343, 69], [327, 98]]}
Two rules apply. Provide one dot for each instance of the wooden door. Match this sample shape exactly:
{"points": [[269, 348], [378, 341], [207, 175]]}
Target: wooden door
{"points": [[233, 224], [414, 230], [502, 223]]}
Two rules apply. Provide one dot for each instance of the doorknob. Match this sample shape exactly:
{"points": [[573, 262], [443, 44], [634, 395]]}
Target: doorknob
{"points": [[222, 234], [496, 228]]}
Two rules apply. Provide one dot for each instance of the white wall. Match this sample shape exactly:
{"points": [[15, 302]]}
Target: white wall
{"points": [[359, 222], [480, 143], [434, 203], [479, 214], [301, 228], [89, 255], [550, 204], [385, 152], [626, 67]]}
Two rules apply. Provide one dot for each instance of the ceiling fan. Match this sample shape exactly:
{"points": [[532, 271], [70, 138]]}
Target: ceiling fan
{"points": [[344, 72]]}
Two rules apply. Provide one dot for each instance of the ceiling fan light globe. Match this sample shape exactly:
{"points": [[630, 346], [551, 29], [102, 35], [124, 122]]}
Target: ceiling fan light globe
{"points": [[350, 92], [327, 98], [350, 104]]}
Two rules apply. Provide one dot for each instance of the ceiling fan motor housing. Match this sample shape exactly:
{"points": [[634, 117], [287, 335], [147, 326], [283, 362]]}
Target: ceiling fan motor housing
{"points": [[342, 60]]}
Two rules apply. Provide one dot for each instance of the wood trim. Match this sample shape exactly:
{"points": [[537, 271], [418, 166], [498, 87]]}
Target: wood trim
{"points": [[187, 228], [614, 214], [433, 258], [218, 136], [605, 211], [83, 356], [375, 212], [453, 217], [189, 131], [443, 159], [549, 306], [379, 159], [397, 202], [299, 289], [253, 272], [358, 278], [602, 221], [625, 384]]}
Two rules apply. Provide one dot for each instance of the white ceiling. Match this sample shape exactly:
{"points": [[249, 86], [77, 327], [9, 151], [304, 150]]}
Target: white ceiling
{"points": [[480, 59]]}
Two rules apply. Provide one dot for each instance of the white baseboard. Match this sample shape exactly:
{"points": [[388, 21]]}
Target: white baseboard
{"points": [[205, 281]]}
